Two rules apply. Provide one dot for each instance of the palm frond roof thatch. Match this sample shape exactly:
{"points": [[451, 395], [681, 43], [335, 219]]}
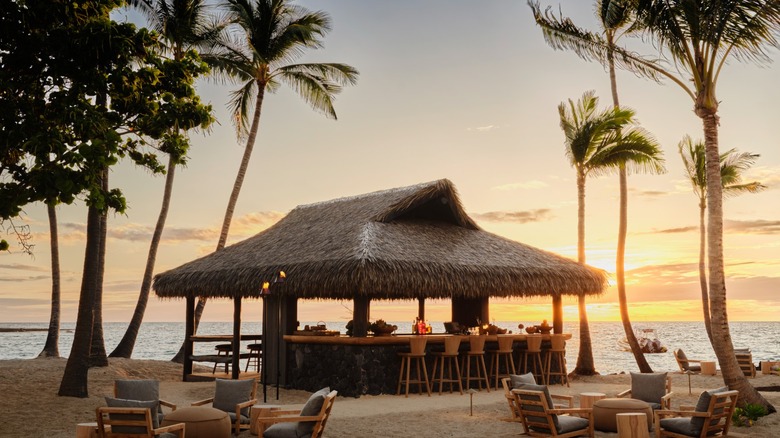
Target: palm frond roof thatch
{"points": [[402, 243]]}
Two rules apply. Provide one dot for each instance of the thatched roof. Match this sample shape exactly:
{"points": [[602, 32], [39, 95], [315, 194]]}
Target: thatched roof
{"points": [[401, 243]]}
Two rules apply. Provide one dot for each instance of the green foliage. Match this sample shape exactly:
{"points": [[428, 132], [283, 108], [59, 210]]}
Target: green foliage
{"points": [[747, 415], [79, 92]]}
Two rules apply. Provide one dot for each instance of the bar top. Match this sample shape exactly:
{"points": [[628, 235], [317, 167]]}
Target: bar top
{"points": [[395, 339]]}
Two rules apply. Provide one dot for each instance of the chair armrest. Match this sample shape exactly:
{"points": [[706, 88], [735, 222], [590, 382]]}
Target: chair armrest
{"points": [[678, 413], [286, 419], [693, 360], [203, 402], [666, 401], [284, 413], [168, 404], [626, 393], [177, 428], [568, 399], [246, 404], [588, 411]]}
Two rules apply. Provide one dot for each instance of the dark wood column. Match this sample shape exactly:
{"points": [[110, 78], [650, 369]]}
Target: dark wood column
{"points": [[272, 339], [557, 308], [189, 330], [421, 308], [361, 312], [470, 311], [236, 343]]}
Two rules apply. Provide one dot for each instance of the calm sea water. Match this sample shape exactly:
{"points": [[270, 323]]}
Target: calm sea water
{"points": [[161, 341]]}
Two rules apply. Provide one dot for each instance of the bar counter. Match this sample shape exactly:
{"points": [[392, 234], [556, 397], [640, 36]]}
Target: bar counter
{"points": [[355, 366]]}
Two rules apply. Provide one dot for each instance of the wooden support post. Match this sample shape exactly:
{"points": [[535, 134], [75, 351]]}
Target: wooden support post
{"points": [[421, 308], [189, 330], [557, 308], [361, 313], [236, 344], [632, 425]]}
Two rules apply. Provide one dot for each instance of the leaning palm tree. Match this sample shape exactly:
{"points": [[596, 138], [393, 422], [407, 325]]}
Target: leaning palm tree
{"points": [[614, 17], [51, 348], [272, 33], [732, 165], [700, 38], [183, 25], [598, 142]]}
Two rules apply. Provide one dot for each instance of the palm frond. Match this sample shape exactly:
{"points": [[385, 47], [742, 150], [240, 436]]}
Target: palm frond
{"points": [[240, 105]]}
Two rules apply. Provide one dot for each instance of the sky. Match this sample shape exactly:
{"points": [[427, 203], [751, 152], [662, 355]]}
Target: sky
{"points": [[453, 89]]}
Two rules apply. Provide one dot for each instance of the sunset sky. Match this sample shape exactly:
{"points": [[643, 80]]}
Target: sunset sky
{"points": [[452, 89]]}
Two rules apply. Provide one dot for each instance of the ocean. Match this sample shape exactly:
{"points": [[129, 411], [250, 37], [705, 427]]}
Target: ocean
{"points": [[161, 340]]}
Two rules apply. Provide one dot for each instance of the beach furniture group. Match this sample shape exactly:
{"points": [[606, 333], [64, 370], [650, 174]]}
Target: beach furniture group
{"points": [[233, 409]]}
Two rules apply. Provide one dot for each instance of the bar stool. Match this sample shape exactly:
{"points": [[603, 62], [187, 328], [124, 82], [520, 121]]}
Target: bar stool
{"points": [[534, 351], [417, 354], [504, 351], [476, 352], [223, 350], [556, 355], [255, 355], [449, 357]]}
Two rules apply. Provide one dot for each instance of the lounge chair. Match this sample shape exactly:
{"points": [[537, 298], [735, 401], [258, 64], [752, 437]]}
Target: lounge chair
{"points": [[685, 364], [654, 389], [711, 417], [126, 422], [519, 382], [745, 361], [308, 422], [143, 390], [540, 419], [235, 397]]}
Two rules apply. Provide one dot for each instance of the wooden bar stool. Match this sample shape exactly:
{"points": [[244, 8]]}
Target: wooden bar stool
{"points": [[255, 356], [476, 352], [223, 350], [534, 351], [417, 354], [504, 351], [449, 357], [556, 358]]}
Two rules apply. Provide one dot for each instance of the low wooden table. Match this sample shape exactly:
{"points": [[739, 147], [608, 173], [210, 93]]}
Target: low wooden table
{"points": [[88, 430], [708, 368], [632, 425], [259, 411], [588, 398]]}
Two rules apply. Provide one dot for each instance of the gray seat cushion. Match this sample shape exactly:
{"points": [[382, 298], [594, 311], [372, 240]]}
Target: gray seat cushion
{"points": [[542, 418], [232, 415], [680, 425], [568, 423], [140, 389], [122, 403], [283, 430], [312, 407], [520, 380], [229, 393], [648, 387]]}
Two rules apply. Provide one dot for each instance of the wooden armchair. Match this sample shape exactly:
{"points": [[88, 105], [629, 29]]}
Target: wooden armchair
{"points": [[653, 388], [541, 420], [299, 423], [567, 401], [711, 417], [685, 364], [235, 397], [133, 422]]}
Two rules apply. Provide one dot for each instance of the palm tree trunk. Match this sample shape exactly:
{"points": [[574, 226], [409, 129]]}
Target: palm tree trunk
{"points": [[620, 256], [705, 298], [126, 345], [733, 377], [585, 365], [51, 348], [250, 144], [74, 379], [97, 352]]}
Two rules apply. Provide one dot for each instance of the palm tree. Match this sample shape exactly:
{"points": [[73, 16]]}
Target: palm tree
{"points": [[701, 37], [598, 142], [272, 33], [183, 25], [51, 348], [561, 33], [732, 164]]}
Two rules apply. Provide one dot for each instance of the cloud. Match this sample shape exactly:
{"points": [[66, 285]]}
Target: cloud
{"points": [[20, 267], [648, 193], [20, 279], [483, 128], [752, 227], [533, 184], [519, 217], [675, 230], [768, 176]]}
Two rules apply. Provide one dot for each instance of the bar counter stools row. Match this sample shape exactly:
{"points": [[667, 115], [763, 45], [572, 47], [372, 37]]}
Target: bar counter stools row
{"points": [[254, 357], [543, 363]]}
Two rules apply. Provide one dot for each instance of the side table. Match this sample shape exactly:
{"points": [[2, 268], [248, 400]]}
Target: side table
{"points": [[708, 368], [259, 411], [88, 430], [632, 425], [588, 398]]}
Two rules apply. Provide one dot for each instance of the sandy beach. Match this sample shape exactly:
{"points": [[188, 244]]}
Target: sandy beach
{"points": [[31, 407]]}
